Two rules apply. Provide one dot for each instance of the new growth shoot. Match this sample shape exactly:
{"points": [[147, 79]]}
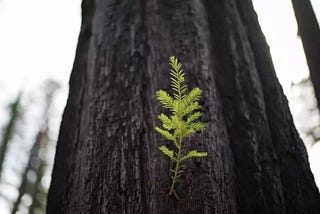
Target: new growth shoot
{"points": [[182, 122]]}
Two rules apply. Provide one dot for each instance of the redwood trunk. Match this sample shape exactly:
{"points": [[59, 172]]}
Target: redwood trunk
{"points": [[107, 158]]}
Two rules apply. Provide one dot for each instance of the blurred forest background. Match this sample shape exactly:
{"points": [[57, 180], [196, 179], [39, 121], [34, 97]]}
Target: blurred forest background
{"points": [[38, 41]]}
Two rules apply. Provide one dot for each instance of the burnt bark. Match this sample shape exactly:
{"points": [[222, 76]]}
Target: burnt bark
{"points": [[107, 158], [308, 30]]}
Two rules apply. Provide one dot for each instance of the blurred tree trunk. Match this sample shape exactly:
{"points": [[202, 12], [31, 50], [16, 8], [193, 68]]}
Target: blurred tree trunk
{"points": [[308, 30], [9, 130], [107, 158], [37, 160], [39, 192], [26, 185]]}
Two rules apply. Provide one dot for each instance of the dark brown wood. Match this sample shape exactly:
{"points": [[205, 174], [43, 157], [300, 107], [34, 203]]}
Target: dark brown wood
{"points": [[308, 30], [107, 158]]}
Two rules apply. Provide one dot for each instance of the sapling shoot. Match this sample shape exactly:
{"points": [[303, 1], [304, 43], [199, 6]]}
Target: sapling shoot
{"points": [[182, 122]]}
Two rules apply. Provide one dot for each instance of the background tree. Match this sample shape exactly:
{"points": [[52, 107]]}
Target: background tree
{"points": [[27, 186], [107, 159], [308, 30], [37, 160], [9, 130]]}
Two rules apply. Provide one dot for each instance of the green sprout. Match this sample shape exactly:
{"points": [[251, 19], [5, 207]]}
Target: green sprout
{"points": [[182, 123]]}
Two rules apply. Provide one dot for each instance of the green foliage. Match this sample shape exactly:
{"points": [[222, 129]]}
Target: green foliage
{"points": [[194, 153], [182, 122], [167, 152]]}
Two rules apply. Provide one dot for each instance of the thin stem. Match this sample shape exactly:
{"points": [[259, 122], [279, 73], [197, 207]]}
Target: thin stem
{"points": [[176, 170], [179, 90]]}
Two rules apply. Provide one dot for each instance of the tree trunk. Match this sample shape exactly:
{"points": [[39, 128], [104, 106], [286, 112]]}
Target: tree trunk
{"points": [[107, 158], [308, 30], [38, 191], [32, 165], [9, 130], [37, 164]]}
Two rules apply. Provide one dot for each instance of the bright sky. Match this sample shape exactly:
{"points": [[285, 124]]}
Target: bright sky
{"points": [[38, 40]]}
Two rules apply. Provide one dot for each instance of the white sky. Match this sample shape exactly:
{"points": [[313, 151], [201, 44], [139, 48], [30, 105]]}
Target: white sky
{"points": [[38, 40]]}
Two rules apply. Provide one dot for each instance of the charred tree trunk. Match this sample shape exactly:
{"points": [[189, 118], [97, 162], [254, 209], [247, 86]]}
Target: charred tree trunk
{"points": [[308, 30], [107, 158]]}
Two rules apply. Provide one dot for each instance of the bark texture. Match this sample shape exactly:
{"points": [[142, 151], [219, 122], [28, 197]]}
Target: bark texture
{"points": [[308, 30], [107, 158]]}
